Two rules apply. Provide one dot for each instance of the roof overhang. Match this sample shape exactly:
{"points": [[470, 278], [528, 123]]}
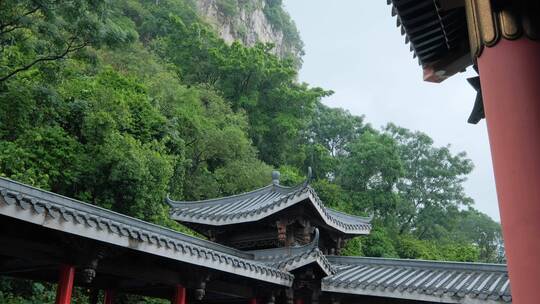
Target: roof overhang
{"points": [[70, 216], [433, 281], [344, 223], [437, 33], [291, 259]]}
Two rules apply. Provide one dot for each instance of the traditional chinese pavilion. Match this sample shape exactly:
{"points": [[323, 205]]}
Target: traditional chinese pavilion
{"points": [[270, 217], [500, 39], [273, 245]]}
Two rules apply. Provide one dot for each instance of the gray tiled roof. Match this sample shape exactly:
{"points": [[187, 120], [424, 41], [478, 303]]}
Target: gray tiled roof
{"points": [[447, 282], [291, 258], [75, 217], [258, 204]]}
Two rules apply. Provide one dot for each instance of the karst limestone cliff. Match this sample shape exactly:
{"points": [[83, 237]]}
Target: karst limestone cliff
{"points": [[252, 21]]}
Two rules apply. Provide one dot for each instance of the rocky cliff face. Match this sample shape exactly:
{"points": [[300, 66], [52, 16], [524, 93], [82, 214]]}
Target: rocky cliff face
{"points": [[248, 22]]}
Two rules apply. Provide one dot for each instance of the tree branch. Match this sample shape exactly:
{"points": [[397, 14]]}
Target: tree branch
{"points": [[70, 48], [191, 142], [16, 20], [4, 31]]}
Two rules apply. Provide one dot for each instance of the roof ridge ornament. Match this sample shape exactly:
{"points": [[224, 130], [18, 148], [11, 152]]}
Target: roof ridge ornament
{"points": [[169, 201], [309, 176], [275, 177], [315, 242]]}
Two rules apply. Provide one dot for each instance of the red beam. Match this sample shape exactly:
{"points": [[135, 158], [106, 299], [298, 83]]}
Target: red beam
{"points": [[109, 297], [65, 284], [179, 296], [510, 78]]}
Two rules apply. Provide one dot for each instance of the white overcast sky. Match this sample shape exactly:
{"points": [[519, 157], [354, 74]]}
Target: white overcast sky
{"points": [[354, 48]]}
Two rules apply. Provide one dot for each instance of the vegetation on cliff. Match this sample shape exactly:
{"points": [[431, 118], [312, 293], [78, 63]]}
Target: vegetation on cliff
{"points": [[119, 103], [250, 20]]}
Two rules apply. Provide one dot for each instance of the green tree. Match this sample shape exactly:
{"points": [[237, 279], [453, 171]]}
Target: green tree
{"points": [[34, 32], [334, 128], [378, 244], [431, 189], [370, 171], [46, 157], [177, 111], [372, 163], [479, 229]]}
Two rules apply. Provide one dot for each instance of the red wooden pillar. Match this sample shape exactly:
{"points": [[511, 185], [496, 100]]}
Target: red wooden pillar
{"points": [[299, 301], [65, 284], [510, 79], [179, 296], [253, 301], [109, 297]]}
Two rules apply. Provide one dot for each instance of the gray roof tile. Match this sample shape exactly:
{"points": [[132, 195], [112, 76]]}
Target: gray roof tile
{"points": [[434, 281], [261, 203], [75, 217], [291, 258]]}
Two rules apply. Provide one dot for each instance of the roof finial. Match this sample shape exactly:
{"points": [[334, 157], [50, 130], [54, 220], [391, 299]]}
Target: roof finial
{"points": [[309, 176], [275, 177], [316, 238]]}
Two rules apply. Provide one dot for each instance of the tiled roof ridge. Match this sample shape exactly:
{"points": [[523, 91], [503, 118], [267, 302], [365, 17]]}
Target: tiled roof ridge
{"points": [[112, 214], [340, 213], [187, 212], [276, 253], [469, 266], [283, 199], [231, 198], [332, 220], [350, 216], [302, 259], [290, 258], [54, 206], [395, 278]]}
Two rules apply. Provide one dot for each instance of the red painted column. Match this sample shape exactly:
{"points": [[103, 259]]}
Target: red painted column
{"points": [[253, 301], [179, 296], [65, 284], [510, 79], [109, 297], [299, 301]]}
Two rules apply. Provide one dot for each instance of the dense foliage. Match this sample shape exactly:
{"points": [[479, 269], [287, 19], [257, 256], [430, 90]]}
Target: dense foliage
{"points": [[119, 103]]}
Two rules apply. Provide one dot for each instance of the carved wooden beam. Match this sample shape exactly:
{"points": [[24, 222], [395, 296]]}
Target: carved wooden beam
{"points": [[85, 255], [282, 232], [198, 282]]}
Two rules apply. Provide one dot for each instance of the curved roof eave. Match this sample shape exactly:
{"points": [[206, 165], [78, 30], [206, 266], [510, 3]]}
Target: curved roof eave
{"points": [[57, 212], [291, 258], [288, 197]]}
